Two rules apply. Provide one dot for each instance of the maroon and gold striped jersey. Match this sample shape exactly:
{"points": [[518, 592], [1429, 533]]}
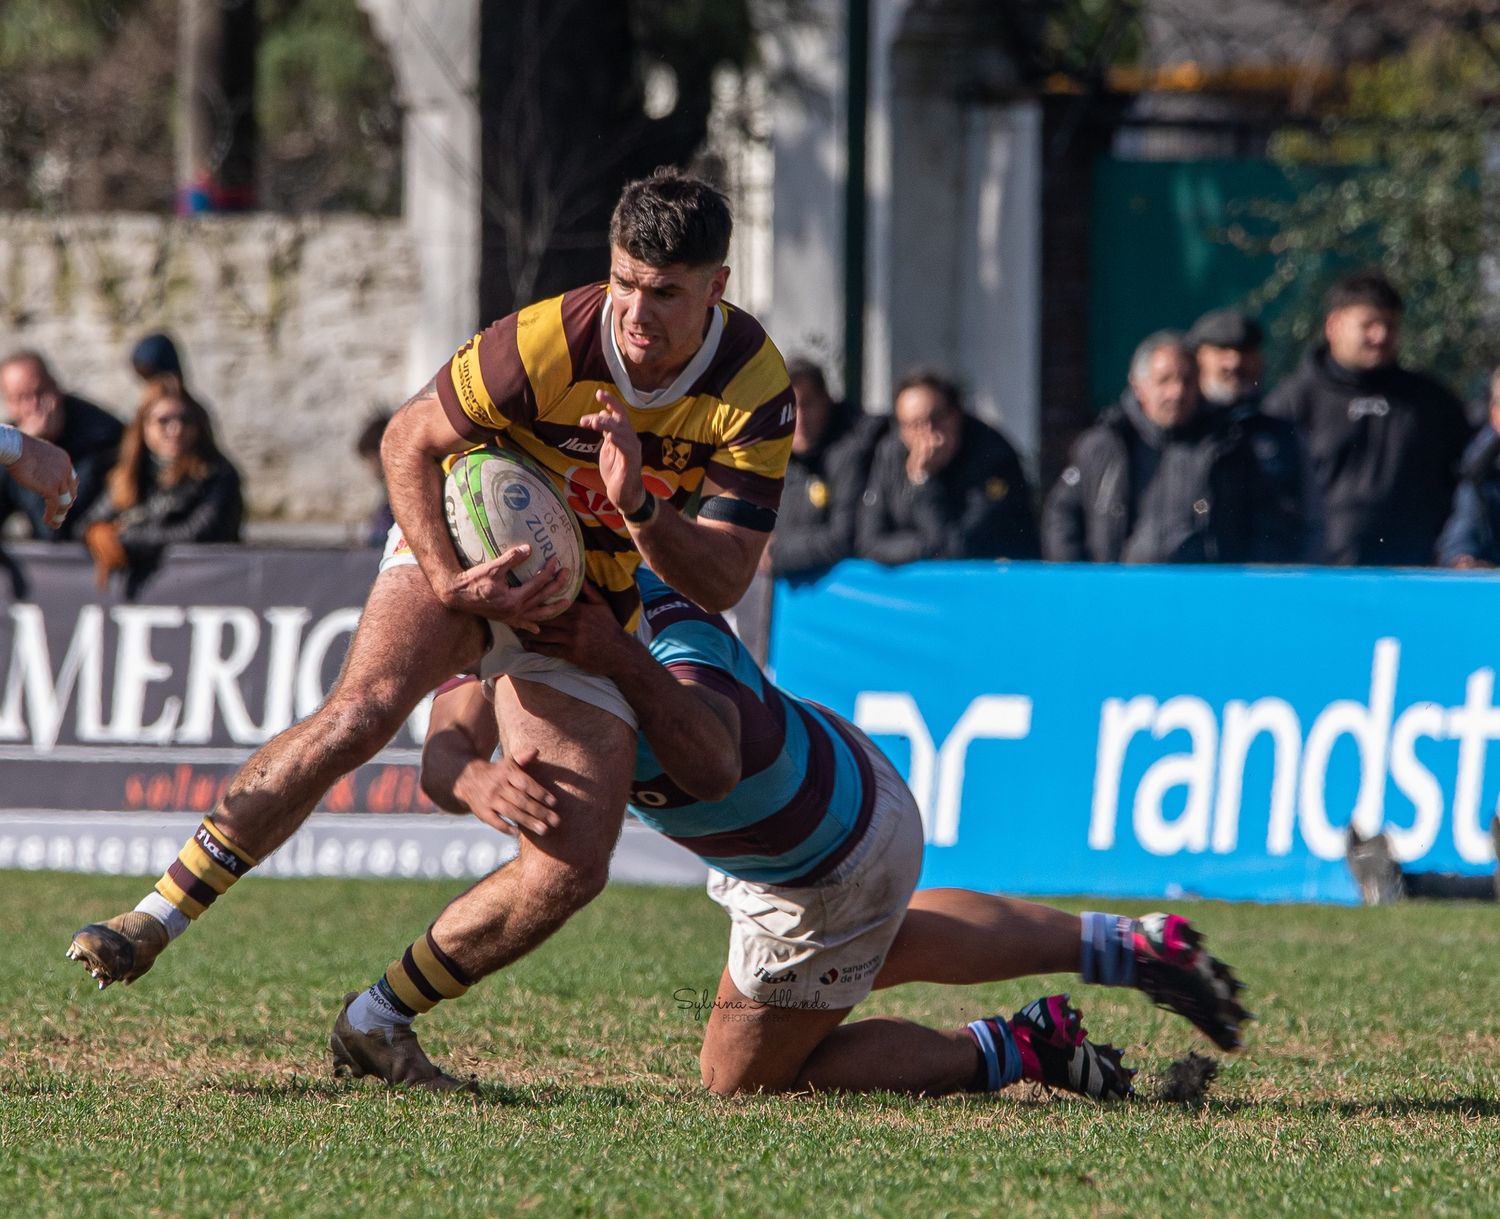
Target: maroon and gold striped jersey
{"points": [[528, 379]]}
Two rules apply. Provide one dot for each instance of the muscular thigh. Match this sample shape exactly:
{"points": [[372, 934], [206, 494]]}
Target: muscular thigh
{"points": [[407, 643], [585, 757]]}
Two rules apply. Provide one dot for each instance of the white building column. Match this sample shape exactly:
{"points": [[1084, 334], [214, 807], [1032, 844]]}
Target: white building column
{"points": [[434, 48]]}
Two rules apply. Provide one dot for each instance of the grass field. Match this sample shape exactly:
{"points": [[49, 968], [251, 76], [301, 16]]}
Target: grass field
{"points": [[1371, 1084]]}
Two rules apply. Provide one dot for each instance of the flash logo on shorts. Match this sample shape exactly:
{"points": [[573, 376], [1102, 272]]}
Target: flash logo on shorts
{"points": [[775, 979]]}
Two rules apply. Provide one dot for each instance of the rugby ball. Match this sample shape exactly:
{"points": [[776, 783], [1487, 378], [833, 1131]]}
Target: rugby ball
{"points": [[496, 498]]}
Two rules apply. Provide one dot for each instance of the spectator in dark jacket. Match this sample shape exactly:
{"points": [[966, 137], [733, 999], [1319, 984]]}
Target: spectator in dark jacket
{"points": [[1383, 443], [1471, 538], [824, 478], [171, 484], [1226, 346], [88, 434], [943, 484], [1159, 479]]}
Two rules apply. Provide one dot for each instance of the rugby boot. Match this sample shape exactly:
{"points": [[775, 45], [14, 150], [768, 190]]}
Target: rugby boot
{"points": [[1174, 971], [1374, 868], [390, 1054], [1055, 1050], [120, 949]]}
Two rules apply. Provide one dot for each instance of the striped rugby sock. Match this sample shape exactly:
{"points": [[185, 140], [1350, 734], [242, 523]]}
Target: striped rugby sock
{"points": [[422, 977], [999, 1056], [1108, 949], [203, 870]]}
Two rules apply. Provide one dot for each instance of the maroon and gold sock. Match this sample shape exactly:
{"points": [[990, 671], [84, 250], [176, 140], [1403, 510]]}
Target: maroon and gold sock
{"points": [[422, 977], [203, 870]]}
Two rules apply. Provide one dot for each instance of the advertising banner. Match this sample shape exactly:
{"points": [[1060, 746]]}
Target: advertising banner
{"points": [[1165, 731], [149, 703]]}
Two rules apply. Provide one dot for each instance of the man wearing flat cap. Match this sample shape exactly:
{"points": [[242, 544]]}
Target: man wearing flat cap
{"points": [[1227, 348]]}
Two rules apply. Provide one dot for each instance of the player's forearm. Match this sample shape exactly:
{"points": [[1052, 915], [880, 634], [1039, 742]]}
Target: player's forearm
{"points": [[692, 744], [414, 482], [708, 566]]}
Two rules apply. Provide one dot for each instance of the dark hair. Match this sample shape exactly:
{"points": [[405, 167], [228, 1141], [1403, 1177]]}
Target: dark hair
{"points": [[670, 218], [1363, 288], [808, 370], [155, 354], [368, 444], [197, 463], [930, 379]]}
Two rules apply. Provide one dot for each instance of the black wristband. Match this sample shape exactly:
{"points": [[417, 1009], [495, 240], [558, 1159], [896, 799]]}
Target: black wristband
{"points": [[643, 514]]}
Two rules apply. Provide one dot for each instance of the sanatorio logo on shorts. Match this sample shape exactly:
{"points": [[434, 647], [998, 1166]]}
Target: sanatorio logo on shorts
{"points": [[516, 496]]}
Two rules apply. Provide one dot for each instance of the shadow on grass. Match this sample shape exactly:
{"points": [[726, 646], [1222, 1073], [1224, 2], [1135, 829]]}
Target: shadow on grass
{"points": [[490, 1094], [1391, 1107]]}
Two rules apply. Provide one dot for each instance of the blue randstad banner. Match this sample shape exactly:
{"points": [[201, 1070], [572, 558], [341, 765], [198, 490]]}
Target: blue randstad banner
{"points": [[1157, 732]]}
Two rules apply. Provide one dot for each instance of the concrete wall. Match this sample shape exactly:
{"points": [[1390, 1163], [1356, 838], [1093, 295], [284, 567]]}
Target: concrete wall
{"points": [[292, 329]]}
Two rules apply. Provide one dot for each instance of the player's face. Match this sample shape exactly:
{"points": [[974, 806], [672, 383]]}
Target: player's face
{"points": [[1363, 336], [34, 404], [660, 314], [1168, 388]]}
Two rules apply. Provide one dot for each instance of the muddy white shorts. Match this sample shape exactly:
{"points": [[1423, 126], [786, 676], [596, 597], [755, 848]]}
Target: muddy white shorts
{"points": [[507, 658], [820, 946]]}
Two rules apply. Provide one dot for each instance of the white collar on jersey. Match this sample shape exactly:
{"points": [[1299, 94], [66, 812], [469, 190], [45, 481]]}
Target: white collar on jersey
{"points": [[685, 379]]}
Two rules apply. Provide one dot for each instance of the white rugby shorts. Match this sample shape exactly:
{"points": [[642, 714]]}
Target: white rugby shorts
{"points": [[820, 946], [508, 658]]}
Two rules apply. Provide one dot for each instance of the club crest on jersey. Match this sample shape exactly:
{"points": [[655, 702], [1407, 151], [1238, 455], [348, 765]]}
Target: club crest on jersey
{"points": [[675, 454]]}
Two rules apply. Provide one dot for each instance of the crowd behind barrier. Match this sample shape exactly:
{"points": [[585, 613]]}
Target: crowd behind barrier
{"points": [[1066, 728], [1353, 460]]}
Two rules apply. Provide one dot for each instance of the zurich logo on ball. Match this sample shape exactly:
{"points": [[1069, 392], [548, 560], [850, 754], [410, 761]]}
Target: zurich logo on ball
{"points": [[516, 497]]}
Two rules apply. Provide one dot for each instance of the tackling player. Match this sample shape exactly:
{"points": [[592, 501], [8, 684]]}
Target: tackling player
{"points": [[640, 396], [815, 845]]}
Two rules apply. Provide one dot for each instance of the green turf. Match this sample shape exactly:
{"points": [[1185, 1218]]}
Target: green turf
{"points": [[1370, 1084]]}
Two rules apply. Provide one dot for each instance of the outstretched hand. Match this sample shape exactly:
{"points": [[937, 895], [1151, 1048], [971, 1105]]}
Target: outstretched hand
{"points": [[47, 470], [506, 797], [619, 452]]}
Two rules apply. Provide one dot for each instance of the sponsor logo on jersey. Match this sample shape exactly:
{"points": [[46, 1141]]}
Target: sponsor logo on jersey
{"points": [[469, 384], [576, 444]]}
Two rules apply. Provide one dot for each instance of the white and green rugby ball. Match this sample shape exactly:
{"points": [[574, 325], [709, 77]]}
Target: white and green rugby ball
{"points": [[495, 499]]}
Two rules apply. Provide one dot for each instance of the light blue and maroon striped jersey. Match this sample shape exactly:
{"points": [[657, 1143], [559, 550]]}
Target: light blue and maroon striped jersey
{"points": [[806, 790]]}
